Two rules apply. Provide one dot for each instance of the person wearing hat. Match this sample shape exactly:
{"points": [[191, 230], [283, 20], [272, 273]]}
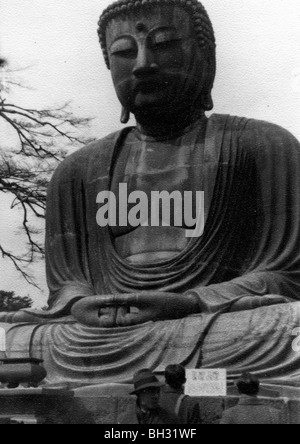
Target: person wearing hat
{"points": [[147, 389], [251, 409], [174, 400]]}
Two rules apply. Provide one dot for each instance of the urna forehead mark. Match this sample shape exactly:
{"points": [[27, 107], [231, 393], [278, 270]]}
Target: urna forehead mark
{"points": [[141, 27]]}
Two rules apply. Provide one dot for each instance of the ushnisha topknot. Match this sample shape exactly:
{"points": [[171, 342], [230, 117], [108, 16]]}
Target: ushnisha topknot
{"points": [[202, 24]]}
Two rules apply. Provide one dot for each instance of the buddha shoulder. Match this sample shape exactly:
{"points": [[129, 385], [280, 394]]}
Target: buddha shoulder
{"points": [[265, 137], [78, 163]]}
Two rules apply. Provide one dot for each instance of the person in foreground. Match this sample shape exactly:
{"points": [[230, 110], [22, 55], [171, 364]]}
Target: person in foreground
{"points": [[147, 390], [127, 295], [251, 410], [172, 396]]}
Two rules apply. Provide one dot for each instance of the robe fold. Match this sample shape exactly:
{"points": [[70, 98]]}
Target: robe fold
{"points": [[260, 341]]}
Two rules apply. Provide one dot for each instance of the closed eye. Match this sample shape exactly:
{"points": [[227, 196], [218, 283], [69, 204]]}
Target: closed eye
{"points": [[125, 53], [166, 44], [123, 47]]}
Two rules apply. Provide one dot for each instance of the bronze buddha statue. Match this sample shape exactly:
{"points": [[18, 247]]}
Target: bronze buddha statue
{"points": [[126, 296]]}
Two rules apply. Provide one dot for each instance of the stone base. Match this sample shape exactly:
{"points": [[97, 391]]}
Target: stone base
{"points": [[42, 406]]}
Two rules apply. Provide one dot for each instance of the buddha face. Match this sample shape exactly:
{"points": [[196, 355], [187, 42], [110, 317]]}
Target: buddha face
{"points": [[156, 64]]}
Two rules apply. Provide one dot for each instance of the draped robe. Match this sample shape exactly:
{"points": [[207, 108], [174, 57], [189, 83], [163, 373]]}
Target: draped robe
{"points": [[250, 174]]}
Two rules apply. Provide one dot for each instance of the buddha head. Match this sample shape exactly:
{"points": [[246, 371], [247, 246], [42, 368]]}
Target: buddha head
{"points": [[162, 57]]}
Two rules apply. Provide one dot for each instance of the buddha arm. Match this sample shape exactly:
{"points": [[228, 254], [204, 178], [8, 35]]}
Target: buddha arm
{"points": [[249, 292]]}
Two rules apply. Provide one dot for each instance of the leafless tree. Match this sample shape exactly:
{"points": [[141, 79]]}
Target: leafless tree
{"points": [[25, 169]]}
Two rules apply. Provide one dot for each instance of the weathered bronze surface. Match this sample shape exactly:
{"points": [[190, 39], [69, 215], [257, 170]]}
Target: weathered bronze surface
{"points": [[123, 297]]}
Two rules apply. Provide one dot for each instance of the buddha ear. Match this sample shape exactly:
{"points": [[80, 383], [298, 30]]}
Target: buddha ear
{"points": [[125, 115], [206, 98], [207, 102]]}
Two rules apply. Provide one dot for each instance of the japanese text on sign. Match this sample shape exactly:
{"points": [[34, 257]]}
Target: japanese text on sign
{"points": [[204, 382]]}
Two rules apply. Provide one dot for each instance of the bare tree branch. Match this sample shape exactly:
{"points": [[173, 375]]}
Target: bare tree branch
{"points": [[44, 137], [18, 262]]}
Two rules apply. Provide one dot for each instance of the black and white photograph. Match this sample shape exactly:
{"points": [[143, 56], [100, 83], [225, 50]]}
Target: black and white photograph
{"points": [[149, 214]]}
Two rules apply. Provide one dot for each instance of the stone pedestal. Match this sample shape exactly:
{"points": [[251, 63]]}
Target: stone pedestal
{"points": [[42, 406]]}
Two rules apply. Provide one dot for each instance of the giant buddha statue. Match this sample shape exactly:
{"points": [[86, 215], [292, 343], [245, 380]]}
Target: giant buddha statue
{"points": [[125, 296]]}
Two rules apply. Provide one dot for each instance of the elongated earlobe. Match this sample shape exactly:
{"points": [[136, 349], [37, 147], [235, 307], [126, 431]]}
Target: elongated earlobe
{"points": [[125, 116], [207, 102]]}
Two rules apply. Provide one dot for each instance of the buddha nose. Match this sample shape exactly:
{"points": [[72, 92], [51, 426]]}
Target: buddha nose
{"points": [[145, 65]]}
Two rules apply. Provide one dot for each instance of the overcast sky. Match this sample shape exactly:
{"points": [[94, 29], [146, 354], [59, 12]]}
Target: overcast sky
{"points": [[258, 72]]}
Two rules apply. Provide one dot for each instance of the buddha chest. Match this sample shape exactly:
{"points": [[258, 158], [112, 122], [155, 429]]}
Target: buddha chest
{"points": [[155, 175]]}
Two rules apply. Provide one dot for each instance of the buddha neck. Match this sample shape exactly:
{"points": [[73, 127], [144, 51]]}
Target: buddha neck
{"points": [[171, 126]]}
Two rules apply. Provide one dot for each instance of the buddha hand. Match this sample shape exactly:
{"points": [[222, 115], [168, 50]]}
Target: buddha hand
{"points": [[124, 310]]}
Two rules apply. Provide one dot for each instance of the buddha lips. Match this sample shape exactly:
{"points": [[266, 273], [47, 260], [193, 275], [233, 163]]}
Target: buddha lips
{"points": [[160, 209]]}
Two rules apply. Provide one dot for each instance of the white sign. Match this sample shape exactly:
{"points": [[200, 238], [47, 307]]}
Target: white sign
{"points": [[206, 382]]}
